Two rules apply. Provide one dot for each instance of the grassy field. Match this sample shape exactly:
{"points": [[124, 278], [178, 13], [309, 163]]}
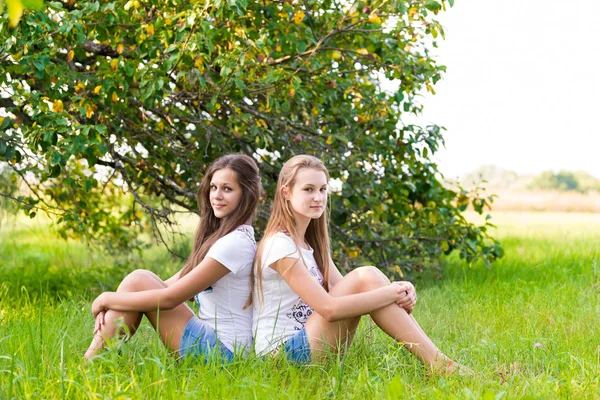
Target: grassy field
{"points": [[529, 327]]}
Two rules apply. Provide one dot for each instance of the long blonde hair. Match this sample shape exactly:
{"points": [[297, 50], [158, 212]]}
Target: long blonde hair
{"points": [[282, 220], [210, 228]]}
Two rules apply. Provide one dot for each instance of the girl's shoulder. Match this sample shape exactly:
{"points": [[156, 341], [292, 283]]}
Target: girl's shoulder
{"points": [[243, 234], [246, 231], [278, 238]]}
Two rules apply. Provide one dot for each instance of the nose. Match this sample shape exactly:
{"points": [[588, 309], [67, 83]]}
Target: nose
{"points": [[218, 194]]}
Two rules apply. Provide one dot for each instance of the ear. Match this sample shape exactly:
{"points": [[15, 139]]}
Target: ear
{"points": [[285, 192]]}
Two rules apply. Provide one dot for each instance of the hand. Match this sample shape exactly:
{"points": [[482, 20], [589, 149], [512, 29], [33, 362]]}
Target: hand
{"points": [[409, 298], [99, 305], [99, 321]]}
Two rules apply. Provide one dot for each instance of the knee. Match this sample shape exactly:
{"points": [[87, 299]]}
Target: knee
{"points": [[371, 278], [136, 280]]}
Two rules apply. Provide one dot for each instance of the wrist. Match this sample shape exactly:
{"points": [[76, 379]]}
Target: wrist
{"points": [[104, 300]]}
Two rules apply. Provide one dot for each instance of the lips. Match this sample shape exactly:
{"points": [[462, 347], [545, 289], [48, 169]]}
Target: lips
{"points": [[218, 205]]}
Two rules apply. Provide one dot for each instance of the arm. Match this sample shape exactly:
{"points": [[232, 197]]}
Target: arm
{"points": [[208, 272], [173, 279], [334, 274], [333, 308]]}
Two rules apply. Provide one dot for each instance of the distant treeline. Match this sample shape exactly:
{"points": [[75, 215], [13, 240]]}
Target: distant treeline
{"points": [[498, 179], [565, 181]]}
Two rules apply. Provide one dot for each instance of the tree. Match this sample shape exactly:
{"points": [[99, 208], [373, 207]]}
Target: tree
{"points": [[138, 97]]}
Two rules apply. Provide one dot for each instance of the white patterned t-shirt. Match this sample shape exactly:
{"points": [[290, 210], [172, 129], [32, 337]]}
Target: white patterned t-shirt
{"points": [[281, 313], [222, 303]]}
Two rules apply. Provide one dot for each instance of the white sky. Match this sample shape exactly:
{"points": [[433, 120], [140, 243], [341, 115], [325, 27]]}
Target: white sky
{"points": [[522, 89]]}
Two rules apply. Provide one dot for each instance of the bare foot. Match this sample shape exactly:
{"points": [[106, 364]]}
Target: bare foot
{"points": [[96, 345], [445, 366]]}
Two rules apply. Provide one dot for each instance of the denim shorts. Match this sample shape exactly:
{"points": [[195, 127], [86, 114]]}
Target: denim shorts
{"points": [[297, 348], [200, 339]]}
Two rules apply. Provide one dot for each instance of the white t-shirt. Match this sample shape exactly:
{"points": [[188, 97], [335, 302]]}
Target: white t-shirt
{"points": [[282, 313], [221, 305]]}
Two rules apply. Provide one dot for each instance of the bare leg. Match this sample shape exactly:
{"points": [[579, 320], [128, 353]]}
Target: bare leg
{"points": [[393, 320], [168, 323]]}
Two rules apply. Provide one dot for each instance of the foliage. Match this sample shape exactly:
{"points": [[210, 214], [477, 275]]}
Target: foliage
{"points": [[566, 181], [140, 96], [8, 190], [15, 9]]}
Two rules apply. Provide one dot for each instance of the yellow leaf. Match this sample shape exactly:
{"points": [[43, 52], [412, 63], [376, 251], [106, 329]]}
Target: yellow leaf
{"points": [[97, 89], [58, 106], [411, 12], [298, 17], [218, 106], [315, 111], [261, 123], [114, 64], [115, 97], [374, 19], [120, 48], [70, 56], [363, 52], [150, 29], [444, 246], [2, 120], [399, 271], [79, 87], [353, 253], [15, 11], [329, 140], [199, 63], [336, 55], [88, 111]]}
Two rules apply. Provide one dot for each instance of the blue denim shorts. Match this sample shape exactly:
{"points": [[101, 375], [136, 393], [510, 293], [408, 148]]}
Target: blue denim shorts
{"points": [[200, 339], [297, 348]]}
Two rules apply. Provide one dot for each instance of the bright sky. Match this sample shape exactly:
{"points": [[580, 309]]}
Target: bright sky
{"points": [[522, 90]]}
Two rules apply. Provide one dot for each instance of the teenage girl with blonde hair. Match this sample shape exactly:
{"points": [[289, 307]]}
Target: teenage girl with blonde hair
{"points": [[217, 274], [302, 303]]}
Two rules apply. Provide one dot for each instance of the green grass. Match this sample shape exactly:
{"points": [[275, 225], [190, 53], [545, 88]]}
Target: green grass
{"points": [[545, 290]]}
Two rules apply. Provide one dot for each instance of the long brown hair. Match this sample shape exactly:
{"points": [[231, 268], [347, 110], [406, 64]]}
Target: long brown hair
{"points": [[210, 228], [283, 220]]}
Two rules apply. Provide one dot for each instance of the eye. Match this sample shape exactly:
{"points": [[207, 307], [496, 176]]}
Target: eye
{"points": [[308, 189], [227, 189], [323, 189], [213, 187]]}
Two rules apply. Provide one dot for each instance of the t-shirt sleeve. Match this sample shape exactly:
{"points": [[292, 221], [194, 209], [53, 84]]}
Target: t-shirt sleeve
{"points": [[234, 251], [279, 246]]}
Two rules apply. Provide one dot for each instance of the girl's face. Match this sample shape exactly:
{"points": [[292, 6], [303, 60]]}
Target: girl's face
{"points": [[308, 197], [225, 192]]}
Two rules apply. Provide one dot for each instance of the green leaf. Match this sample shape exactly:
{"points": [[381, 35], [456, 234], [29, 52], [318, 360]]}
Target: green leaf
{"points": [[36, 5], [55, 158]]}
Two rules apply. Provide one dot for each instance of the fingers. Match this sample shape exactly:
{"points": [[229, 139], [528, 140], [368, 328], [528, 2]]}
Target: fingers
{"points": [[99, 321], [407, 301]]}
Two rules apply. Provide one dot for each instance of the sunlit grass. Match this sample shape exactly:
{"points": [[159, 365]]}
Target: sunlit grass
{"points": [[529, 326]]}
